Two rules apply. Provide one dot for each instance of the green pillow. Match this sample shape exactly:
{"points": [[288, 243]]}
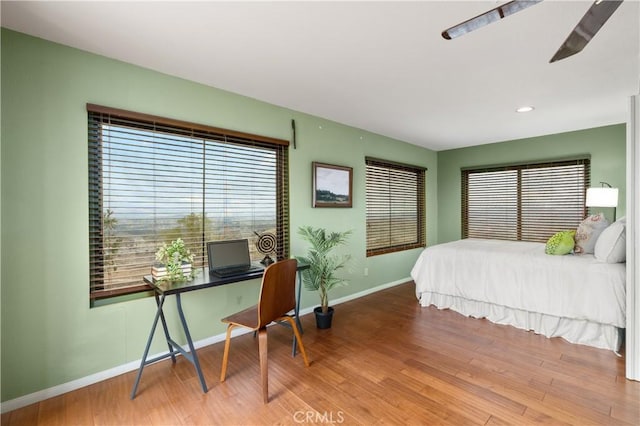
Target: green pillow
{"points": [[561, 243]]}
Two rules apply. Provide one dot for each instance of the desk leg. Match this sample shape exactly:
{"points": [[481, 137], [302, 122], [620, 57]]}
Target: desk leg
{"points": [[143, 362], [166, 330], [194, 356], [297, 310], [297, 314]]}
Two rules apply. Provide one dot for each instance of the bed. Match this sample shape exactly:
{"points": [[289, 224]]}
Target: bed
{"points": [[575, 297]]}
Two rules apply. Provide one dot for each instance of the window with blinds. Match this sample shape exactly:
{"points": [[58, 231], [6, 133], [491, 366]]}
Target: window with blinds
{"points": [[528, 202], [395, 206], [153, 180]]}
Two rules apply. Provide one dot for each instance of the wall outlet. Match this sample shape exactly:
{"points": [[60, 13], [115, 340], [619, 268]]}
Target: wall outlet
{"points": [[366, 272]]}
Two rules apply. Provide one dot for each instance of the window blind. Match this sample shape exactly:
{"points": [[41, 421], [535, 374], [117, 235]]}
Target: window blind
{"points": [[528, 202], [395, 206], [153, 180]]}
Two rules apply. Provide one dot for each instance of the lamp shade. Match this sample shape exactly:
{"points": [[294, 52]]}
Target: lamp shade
{"points": [[602, 197]]}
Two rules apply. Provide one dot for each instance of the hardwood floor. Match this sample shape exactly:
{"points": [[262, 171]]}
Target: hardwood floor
{"points": [[385, 361]]}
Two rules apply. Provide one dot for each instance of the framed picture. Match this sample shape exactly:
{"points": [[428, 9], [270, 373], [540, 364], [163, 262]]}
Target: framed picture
{"points": [[332, 185]]}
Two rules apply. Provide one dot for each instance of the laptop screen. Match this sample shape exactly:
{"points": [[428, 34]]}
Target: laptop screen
{"points": [[223, 254]]}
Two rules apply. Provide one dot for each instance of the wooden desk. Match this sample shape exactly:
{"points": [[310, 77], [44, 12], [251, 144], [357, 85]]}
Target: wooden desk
{"points": [[202, 280]]}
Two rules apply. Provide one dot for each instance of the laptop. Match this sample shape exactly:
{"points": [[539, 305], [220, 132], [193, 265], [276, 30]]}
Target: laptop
{"points": [[229, 258]]}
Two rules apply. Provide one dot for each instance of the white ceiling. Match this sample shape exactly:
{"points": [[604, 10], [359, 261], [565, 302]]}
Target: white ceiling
{"points": [[379, 66]]}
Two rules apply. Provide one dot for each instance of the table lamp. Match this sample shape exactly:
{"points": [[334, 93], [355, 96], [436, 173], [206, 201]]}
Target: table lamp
{"points": [[603, 197]]}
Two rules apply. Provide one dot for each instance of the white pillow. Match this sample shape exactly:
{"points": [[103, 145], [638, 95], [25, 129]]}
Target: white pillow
{"points": [[611, 246], [588, 232]]}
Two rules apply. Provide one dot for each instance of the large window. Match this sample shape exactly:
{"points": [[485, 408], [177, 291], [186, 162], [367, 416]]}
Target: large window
{"points": [[153, 180], [395, 206], [527, 202]]}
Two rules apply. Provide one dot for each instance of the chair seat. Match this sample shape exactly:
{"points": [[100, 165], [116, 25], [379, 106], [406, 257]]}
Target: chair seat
{"points": [[247, 318]]}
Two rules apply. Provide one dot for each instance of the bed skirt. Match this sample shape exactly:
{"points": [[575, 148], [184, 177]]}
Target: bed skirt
{"points": [[575, 331]]}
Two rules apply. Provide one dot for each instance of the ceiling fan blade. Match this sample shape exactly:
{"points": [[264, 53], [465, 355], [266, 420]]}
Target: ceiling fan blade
{"points": [[487, 18], [589, 25]]}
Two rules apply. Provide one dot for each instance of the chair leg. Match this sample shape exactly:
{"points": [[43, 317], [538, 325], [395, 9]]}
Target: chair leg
{"points": [[264, 368], [296, 332], [225, 357]]}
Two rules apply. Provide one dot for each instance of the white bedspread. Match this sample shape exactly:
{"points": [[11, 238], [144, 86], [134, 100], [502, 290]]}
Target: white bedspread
{"points": [[521, 276]]}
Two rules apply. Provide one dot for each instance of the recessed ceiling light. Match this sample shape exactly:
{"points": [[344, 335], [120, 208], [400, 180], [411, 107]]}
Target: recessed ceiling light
{"points": [[525, 109]]}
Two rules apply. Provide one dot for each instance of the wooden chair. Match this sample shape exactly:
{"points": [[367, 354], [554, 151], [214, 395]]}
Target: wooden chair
{"points": [[277, 298]]}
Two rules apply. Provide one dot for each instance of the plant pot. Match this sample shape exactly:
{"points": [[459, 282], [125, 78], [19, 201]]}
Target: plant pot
{"points": [[323, 320]]}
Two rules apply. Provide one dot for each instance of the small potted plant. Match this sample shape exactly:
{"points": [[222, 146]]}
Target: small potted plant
{"points": [[173, 262], [323, 265]]}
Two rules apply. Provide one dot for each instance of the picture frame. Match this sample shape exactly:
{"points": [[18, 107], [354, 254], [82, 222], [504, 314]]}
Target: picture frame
{"points": [[332, 185]]}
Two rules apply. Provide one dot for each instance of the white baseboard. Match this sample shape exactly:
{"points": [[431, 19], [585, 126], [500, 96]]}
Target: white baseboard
{"points": [[364, 293], [41, 395]]}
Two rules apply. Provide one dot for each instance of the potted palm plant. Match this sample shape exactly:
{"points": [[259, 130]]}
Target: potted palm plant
{"points": [[323, 265]]}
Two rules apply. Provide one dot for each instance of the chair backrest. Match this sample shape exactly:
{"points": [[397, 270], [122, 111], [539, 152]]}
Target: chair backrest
{"points": [[278, 291]]}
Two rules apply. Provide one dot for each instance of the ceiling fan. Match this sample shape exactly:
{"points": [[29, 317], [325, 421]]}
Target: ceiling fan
{"points": [[599, 12]]}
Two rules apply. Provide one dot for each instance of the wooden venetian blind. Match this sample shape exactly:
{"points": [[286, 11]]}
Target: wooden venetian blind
{"points": [[153, 180], [527, 202], [395, 206]]}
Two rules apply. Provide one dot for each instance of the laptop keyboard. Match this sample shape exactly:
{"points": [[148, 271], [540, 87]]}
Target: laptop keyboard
{"points": [[235, 270]]}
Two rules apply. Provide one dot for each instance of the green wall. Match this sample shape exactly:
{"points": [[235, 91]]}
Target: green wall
{"points": [[50, 335], [605, 145]]}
